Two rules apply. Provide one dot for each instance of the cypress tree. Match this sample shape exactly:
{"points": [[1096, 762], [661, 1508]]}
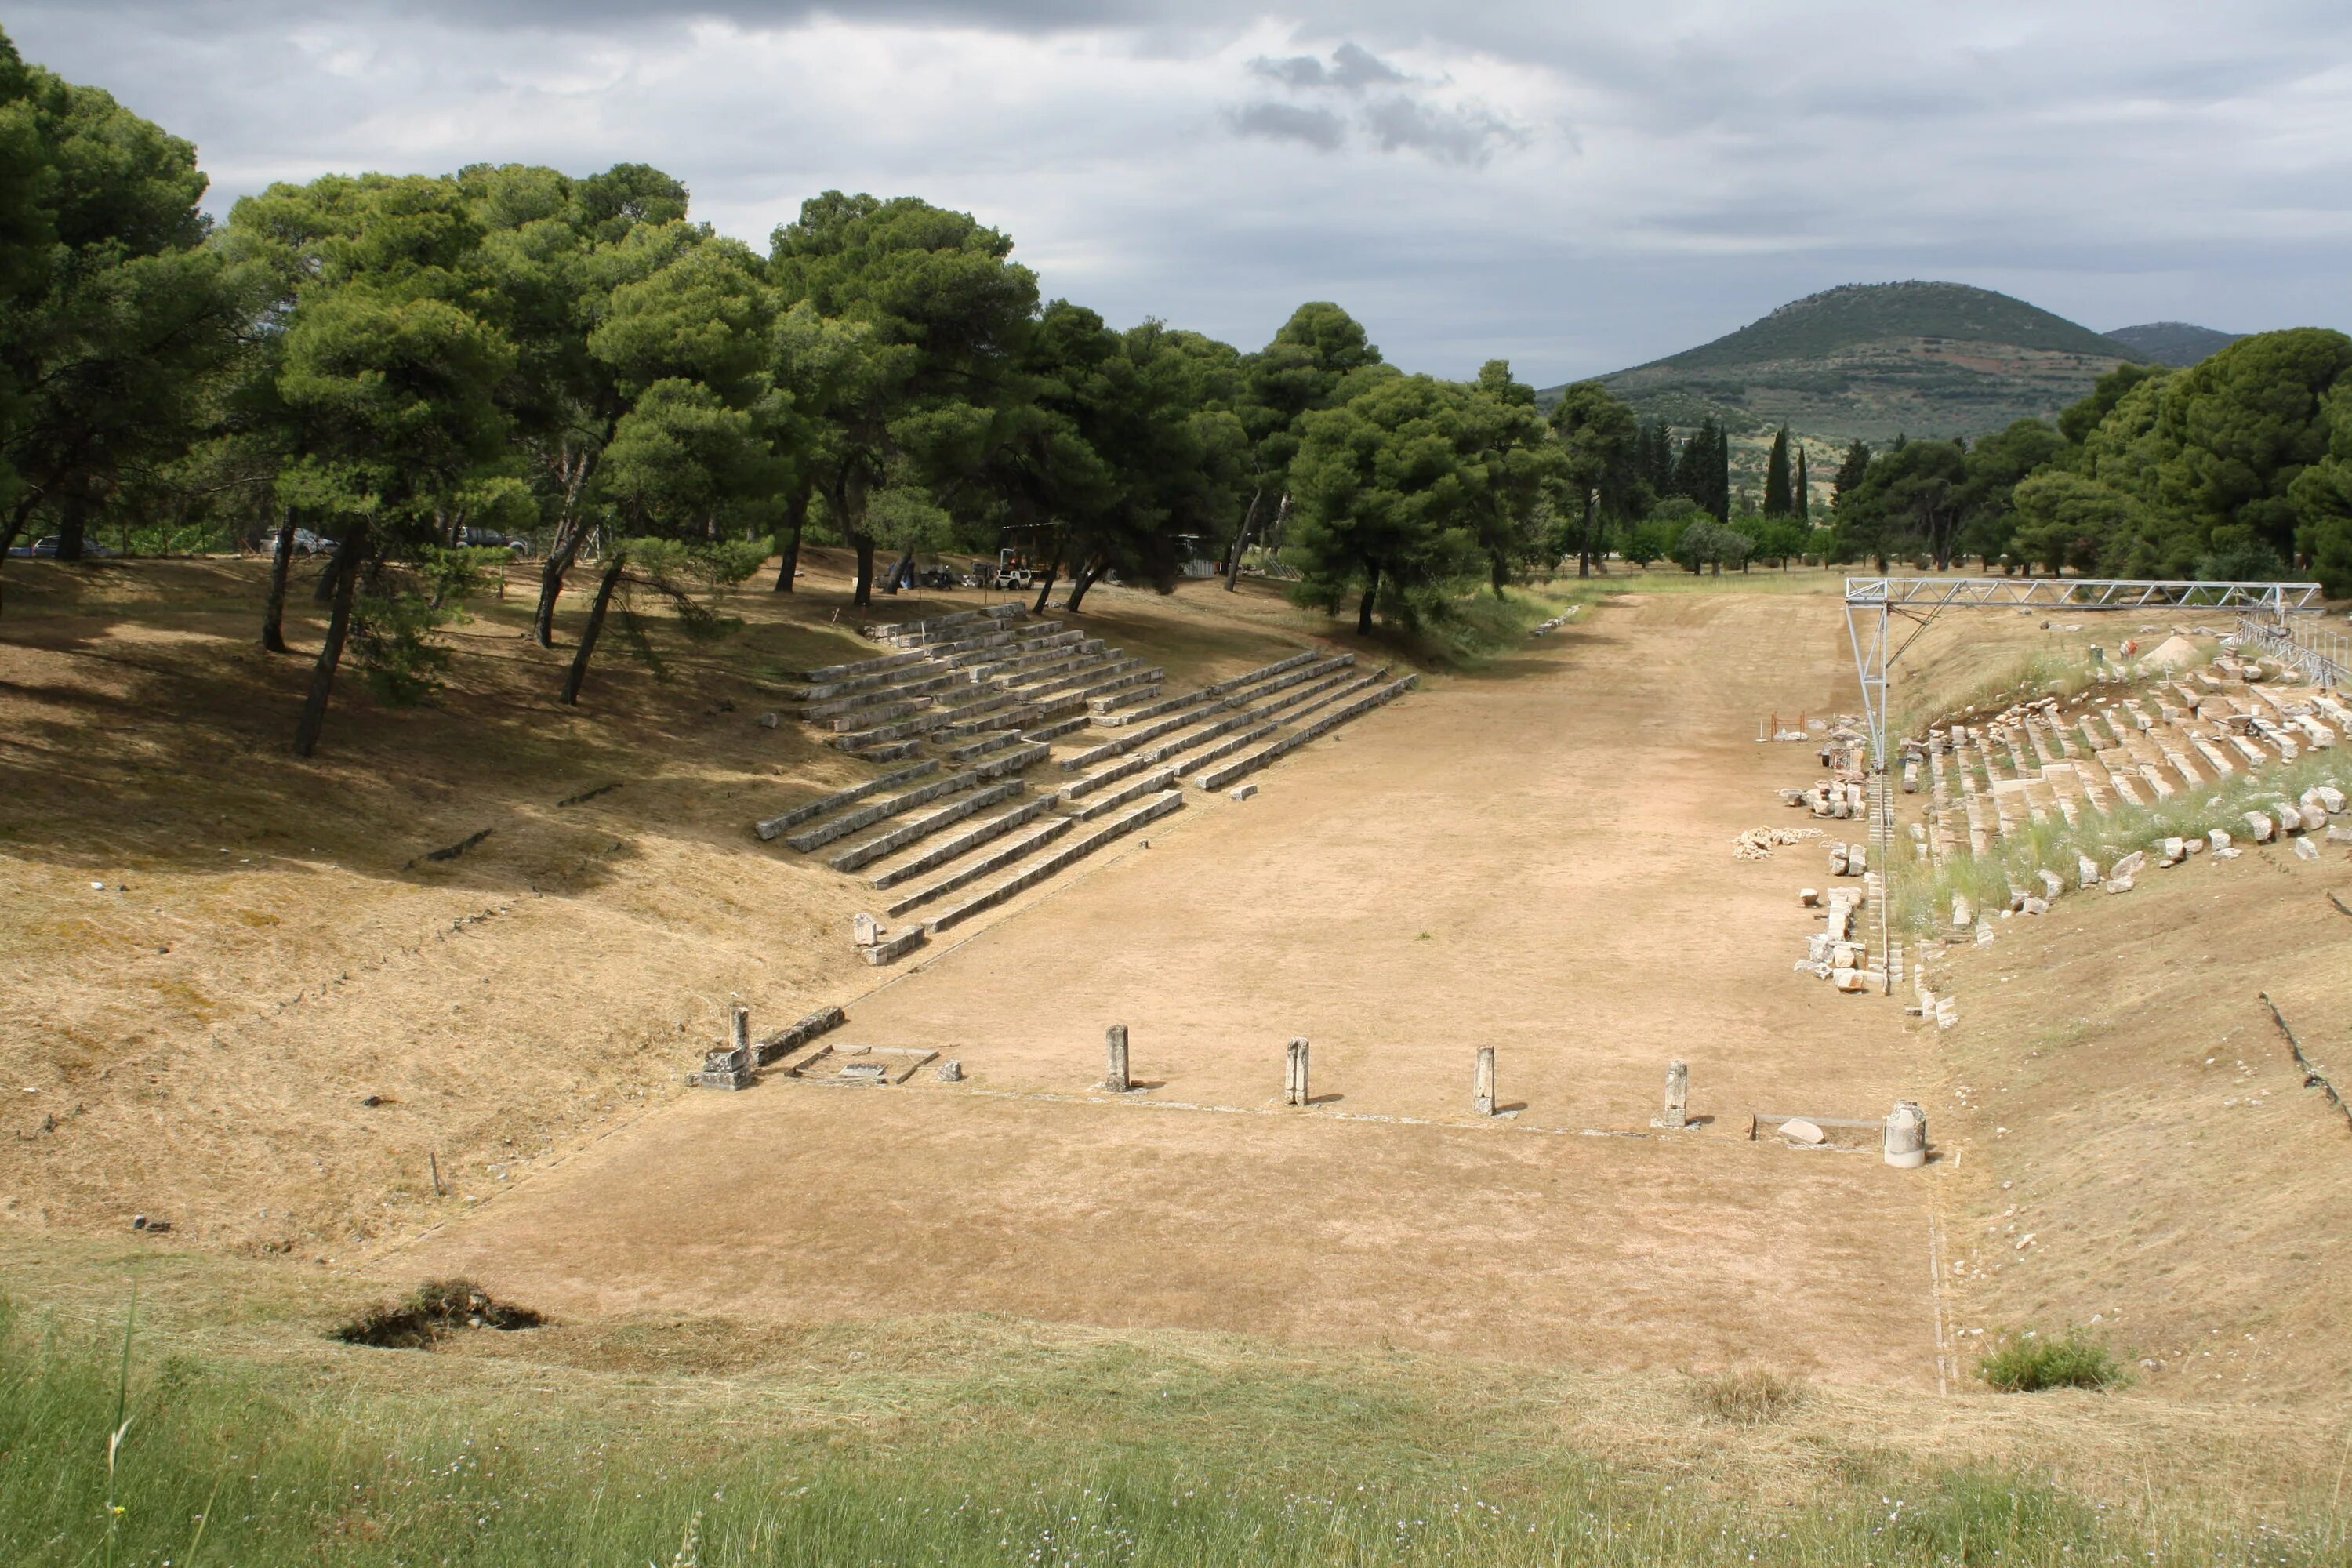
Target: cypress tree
{"points": [[1804, 496], [1722, 476], [1776, 477]]}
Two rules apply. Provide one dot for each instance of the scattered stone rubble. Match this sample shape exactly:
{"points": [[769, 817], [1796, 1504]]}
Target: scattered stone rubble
{"points": [[991, 694]]}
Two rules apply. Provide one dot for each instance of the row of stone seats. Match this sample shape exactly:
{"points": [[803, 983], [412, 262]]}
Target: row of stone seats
{"points": [[941, 629], [1218, 778], [2174, 737], [1030, 875], [1197, 730], [1205, 714]]}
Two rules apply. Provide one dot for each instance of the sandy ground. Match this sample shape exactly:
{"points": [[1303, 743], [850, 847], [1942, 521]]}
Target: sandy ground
{"points": [[1538, 859]]}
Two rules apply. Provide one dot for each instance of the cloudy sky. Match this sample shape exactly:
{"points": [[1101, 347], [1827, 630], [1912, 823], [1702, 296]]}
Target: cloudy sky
{"points": [[1575, 185]]}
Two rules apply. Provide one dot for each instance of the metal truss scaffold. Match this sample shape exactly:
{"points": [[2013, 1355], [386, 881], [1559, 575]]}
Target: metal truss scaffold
{"points": [[1871, 602]]}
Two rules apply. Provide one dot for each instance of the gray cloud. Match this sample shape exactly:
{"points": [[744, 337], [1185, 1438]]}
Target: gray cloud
{"points": [[1213, 163], [1467, 135], [1289, 122], [1405, 119], [1353, 68]]}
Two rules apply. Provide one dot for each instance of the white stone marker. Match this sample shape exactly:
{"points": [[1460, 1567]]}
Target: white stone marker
{"points": [[1294, 1070], [1482, 1088], [1907, 1136], [1676, 1114], [1115, 1076]]}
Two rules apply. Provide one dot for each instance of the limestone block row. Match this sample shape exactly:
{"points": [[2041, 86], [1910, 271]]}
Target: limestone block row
{"points": [[1111, 713], [923, 827], [993, 718], [996, 860], [944, 628], [1060, 860], [1084, 672], [1229, 745], [1219, 777], [994, 743], [1128, 741], [1329, 688], [1102, 777], [1120, 683], [1149, 783], [1031, 647], [889, 950], [862, 667], [922, 724], [963, 843], [1054, 731], [874, 718], [1057, 661], [771, 826], [1250, 677], [926, 682], [1013, 761], [842, 826]]}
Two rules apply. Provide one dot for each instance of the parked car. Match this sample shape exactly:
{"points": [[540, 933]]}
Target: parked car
{"points": [[45, 548], [491, 538], [310, 543]]}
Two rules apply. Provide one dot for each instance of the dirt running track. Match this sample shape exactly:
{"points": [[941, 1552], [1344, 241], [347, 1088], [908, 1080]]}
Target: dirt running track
{"points": [[1537, 858]]}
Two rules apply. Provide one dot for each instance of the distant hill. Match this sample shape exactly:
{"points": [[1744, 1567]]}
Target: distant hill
{"points": [[1870, 360], [2171, 342]]}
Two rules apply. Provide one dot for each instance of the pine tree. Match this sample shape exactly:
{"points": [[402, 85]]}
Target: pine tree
{"points": [[1850, 472], [1776, 476]]}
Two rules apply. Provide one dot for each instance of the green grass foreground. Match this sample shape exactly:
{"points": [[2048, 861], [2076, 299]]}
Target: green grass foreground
{"points": [[222, 1463]]}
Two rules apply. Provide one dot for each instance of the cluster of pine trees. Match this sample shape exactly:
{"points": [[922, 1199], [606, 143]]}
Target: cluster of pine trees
{"points": [[2239, 466]]}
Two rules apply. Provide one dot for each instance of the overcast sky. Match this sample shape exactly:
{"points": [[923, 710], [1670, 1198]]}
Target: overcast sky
{"points": [[1575, 185]]}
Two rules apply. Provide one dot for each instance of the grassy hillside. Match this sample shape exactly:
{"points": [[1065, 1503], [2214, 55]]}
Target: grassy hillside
{"points": [[1876, 360], [2171, 342]]}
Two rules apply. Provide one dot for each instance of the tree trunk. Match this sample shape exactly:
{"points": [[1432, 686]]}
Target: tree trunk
{"points": [[579, 671], [342, 576], [1089, 575], [1584, 540], [795, 515], [1241, 539], [864, 545], [73, 523], [1046, 586], [273, 609], [1364, 608], [1499, 570], [14, 525]]}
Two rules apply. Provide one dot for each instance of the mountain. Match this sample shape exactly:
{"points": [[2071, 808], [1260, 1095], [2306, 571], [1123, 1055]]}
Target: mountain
{"points": [[2171, 342], [1872, 360]]}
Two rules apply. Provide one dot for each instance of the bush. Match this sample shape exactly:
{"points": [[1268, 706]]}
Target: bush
{"points": [[2029, 1363]]}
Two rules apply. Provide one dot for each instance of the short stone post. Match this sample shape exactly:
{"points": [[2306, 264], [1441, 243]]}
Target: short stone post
{"points": [[1293, 1078], [865, 930], [739, 1036], [1115, 1076], [1907, 1136], [1676, 1115], [1482, 1091]]}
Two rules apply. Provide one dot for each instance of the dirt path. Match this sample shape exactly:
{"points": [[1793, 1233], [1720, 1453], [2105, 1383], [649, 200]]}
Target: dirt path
{"points": [[1537, 860]]}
